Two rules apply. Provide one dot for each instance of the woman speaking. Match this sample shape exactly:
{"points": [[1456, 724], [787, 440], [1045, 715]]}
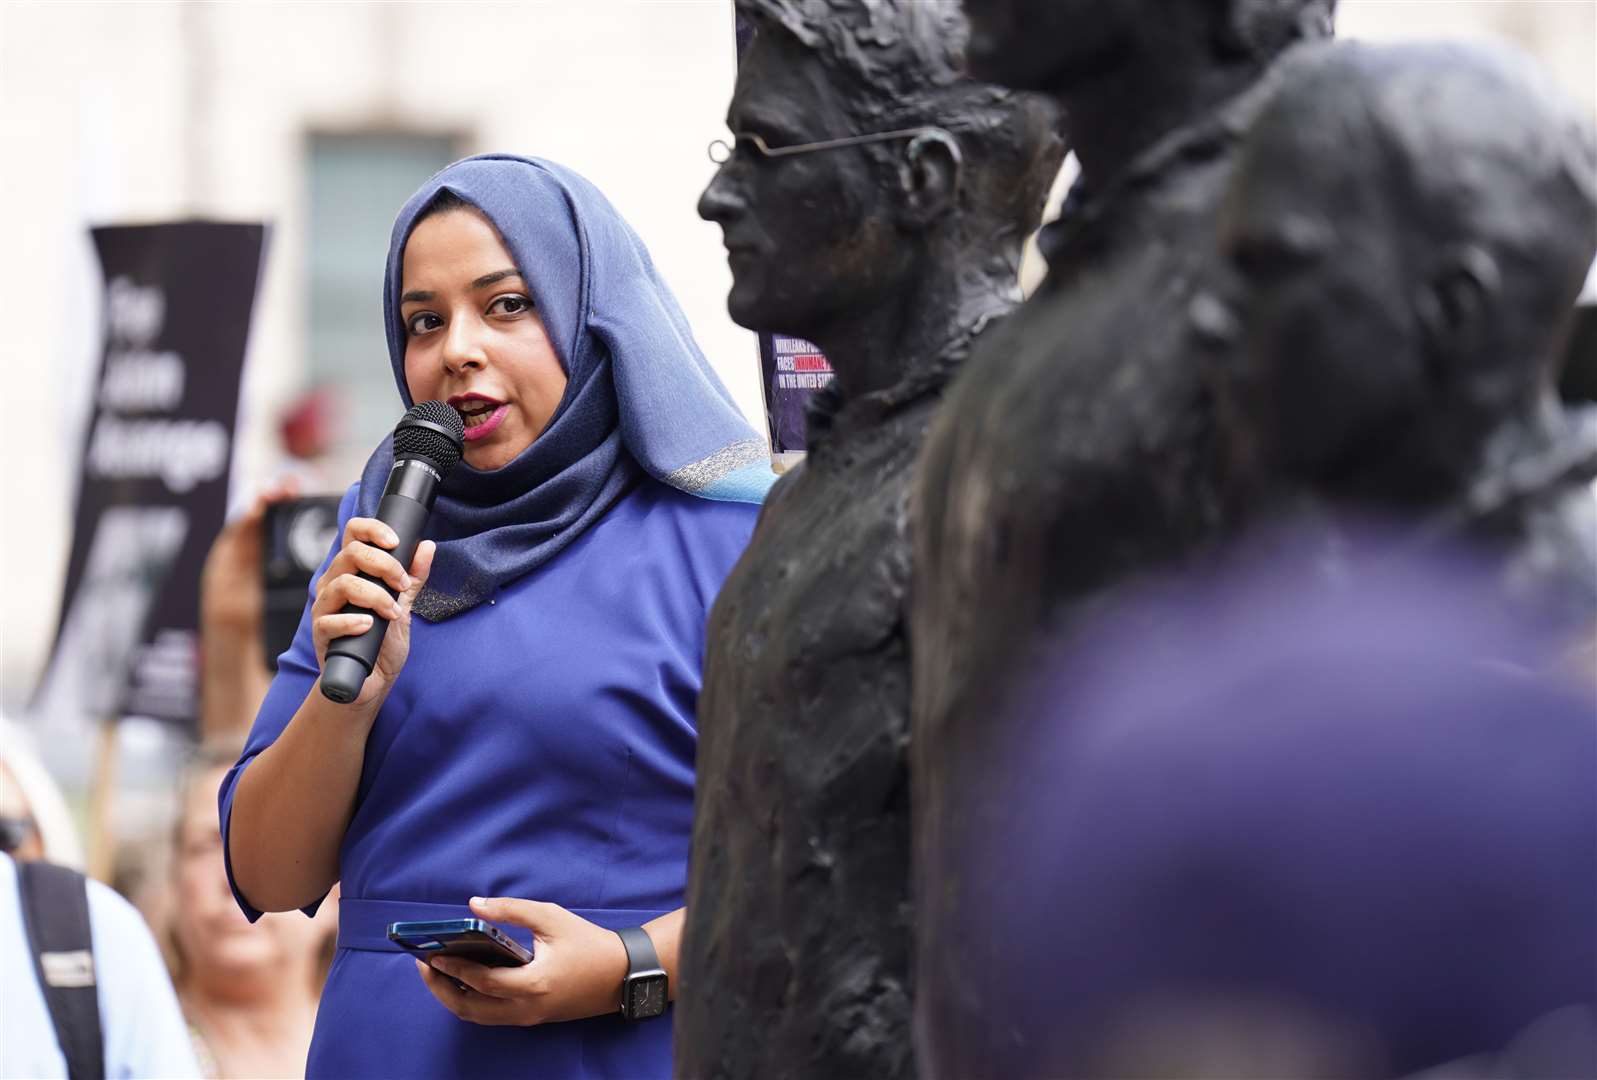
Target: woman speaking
{"points": [[531, 734]]}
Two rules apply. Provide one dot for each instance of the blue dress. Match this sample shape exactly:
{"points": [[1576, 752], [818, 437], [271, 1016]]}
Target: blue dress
{"points": [[537, 746]]}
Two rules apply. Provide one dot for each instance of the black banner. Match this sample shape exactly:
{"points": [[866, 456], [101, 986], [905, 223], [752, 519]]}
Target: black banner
{"points": [[157, 453]]}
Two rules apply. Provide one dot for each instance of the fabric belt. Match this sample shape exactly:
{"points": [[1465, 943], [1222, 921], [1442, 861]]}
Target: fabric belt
{"points": [[363, 924]]}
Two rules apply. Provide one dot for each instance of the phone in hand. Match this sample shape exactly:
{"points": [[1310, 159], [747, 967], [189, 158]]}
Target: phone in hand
{"points": [[469, 939]]}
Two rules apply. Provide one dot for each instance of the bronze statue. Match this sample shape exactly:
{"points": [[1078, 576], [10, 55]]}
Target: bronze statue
{"points": [[875, 203], [1411, 228], [1079, 447], [1201, 854]]}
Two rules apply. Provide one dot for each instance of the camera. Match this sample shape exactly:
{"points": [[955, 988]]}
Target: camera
{"points": [[297, 534]]}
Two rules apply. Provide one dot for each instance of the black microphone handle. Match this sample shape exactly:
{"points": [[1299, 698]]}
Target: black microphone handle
{"points": [[350, 659]]}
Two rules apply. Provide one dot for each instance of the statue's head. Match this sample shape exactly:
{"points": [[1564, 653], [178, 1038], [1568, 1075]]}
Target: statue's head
{"points": [[1410, 226], [1058, 45], [820, 237]]}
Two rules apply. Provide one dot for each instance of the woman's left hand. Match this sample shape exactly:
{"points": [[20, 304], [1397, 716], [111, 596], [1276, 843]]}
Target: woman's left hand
{"points": [[576, 971]]}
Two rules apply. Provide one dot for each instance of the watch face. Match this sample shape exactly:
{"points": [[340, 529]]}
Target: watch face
{"points": [[646, 996]]}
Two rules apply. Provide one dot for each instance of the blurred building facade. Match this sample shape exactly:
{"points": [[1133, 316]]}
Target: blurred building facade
{"points": [[319, 118]]}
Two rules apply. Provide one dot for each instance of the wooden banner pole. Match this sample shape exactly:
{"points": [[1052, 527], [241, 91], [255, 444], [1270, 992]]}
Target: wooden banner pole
{"points": [[102, 806]]}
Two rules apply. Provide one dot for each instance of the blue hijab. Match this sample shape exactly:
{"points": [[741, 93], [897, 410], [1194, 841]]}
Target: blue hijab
{"points": [[639, 393]]}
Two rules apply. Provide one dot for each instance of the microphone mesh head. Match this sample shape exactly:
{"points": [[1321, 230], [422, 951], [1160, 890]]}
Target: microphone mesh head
{"points": [[417, 435]]}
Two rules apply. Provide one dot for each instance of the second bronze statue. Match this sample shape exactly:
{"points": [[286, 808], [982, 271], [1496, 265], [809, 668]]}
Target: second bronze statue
{"points": [[892, 255]]}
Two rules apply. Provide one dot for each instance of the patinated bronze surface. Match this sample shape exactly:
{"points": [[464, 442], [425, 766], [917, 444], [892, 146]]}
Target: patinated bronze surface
{"points": [[891, 257], [1411, 228], [1402, 240], [1079, 445]]}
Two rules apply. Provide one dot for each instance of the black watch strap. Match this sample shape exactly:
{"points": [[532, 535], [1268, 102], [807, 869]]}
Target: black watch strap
{"points": [[640, 950], [645, 990]]}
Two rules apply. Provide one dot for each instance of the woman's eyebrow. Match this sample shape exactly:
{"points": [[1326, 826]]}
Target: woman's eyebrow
{"points": [[424, 295], [498, 275]]}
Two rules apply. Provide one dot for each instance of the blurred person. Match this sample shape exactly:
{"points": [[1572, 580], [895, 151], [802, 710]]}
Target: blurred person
{"points": [[533, 754], [1076, 449], [1411, 227], [1280, 824], [248, 992], [84, 990], [234, 676], [893, 256], [33, 814]]}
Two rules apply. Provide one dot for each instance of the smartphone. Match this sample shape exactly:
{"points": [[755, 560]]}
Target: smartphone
{"points": [[296, 536], [469, 939]]}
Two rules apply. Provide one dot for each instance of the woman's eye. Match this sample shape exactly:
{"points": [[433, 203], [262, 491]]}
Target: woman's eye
{"points": [[510, 304], [422, 322]]}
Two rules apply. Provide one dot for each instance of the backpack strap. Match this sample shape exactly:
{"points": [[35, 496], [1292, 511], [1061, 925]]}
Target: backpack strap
{"points": [[55, 911]]}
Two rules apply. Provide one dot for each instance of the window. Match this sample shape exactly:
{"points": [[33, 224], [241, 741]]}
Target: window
{"points": [[358, 181]]}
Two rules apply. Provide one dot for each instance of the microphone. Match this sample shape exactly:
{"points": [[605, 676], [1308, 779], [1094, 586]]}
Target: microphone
{"points": [[427, 443]]}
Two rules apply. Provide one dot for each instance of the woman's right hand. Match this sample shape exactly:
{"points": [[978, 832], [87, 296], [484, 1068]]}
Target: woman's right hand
{"points": [[365, 550]]}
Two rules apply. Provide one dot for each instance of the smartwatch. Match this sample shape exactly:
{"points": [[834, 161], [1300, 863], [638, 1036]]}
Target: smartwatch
{"points": [[643, 992]]}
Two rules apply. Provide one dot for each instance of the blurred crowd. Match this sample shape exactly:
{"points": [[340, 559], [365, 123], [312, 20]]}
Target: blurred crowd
{"points": [[247, 992]]}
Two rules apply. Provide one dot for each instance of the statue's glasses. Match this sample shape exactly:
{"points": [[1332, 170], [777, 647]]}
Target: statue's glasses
{"points": [[721, 151]]}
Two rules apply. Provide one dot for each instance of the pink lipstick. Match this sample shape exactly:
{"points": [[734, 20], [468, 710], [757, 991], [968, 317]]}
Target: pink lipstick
{"points": [[482, 429], [482, 414]]}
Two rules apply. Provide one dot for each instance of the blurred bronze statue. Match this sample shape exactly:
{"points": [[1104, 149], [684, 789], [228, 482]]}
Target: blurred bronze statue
{"points": [[1079, 446], [1411, 228], [875, 202], [1313, 836]]}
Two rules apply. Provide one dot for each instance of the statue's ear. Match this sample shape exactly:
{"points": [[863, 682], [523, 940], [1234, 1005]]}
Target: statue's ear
{"points": [[1455, 306], [928, 178]]}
